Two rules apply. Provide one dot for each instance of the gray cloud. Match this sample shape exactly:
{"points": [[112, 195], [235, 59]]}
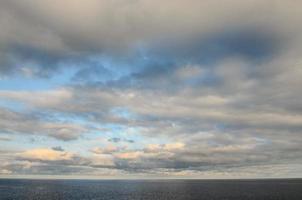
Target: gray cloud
{"points": [[117, 140], [218, 80], [57, 148], [14, 122], [43, 36], [5, 139]]}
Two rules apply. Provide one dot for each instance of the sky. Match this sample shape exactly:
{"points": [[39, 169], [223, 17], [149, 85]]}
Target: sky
{"points": [[151, 89]]}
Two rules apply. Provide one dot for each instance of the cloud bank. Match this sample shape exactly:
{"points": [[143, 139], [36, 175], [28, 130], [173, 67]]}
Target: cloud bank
{"points": [[138, 88]]}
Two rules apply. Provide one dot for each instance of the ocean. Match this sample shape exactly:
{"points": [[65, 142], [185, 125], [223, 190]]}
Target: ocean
{"points": [[289, 189]]}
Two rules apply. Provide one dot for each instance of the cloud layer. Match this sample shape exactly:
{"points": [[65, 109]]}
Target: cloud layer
{"points": [[149, 88]]}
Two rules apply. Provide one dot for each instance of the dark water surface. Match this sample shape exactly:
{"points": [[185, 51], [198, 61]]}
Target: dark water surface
{"points": [[151, 189]]}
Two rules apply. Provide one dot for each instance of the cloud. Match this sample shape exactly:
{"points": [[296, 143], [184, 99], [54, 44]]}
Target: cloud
{"points": [[45, 155], [57, 148], [183, 88], [15, 122], [201, 155], [5, 139], [44, 36], [106, 150], [47, 161], [117, 140], [38, 98]]}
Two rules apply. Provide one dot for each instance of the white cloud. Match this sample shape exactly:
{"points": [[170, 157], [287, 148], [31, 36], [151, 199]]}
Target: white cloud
{"points": [[45, 155]]}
